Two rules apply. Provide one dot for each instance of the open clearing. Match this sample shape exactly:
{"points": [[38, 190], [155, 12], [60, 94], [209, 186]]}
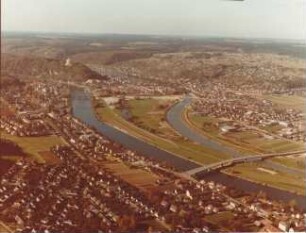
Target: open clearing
{"points": [[297, 162], [291, 183], [34, 145], [9, 154], [49, 157], [219, 217], [149, 114], [288, 101], [140, 178]]}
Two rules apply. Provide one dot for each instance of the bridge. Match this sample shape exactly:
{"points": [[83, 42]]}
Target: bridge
{"points": [[237, 160]]}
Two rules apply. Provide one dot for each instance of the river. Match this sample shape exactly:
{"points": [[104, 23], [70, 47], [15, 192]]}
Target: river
{"points": [[175, 120], [83, 110]]}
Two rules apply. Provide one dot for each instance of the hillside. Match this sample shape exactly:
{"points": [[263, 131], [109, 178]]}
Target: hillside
{"points": [[260, 69], [39, 67]]}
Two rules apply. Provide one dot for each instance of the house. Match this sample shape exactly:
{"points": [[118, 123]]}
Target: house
{"points": [[164, 203], [227, 128], [173, 208], [283, 226], [269, 228], [231, 206], [19, 220]]}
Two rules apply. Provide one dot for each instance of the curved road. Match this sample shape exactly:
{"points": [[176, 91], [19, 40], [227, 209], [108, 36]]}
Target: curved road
{"points": [[174, 117]]}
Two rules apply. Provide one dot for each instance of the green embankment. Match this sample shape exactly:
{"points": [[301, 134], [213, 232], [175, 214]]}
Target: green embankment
{"points": [[149, 117]]}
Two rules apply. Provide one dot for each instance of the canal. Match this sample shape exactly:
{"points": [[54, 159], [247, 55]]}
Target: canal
{"points": [[175, 120], [83, 110]]}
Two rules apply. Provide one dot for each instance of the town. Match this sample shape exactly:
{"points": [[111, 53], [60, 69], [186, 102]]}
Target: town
{"points": [[152, 130], [74, 191]]}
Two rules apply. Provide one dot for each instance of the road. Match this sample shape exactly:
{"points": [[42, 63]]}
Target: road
{"points": [[6, 227], [234, 161]]}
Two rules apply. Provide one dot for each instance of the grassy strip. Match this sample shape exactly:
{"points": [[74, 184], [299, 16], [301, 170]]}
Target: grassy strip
{"points": [[34, 145], [291, 183], [250, 143], [297, 163], [196, 122], [181, 147]]}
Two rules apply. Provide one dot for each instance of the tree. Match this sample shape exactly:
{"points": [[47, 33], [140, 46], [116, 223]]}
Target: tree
{"points": [[127, 223]]}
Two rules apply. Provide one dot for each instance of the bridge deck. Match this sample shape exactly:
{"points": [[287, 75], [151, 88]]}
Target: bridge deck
{"points": [[244, 159]]}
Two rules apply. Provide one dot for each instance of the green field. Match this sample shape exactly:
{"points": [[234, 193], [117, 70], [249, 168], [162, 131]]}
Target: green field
{"points": [[206, 126], [248, 142], [34, 145], [166, 138], [148, 113], [279, 145], [253, 143], [279, 180], [293, 162], [288, 101]]}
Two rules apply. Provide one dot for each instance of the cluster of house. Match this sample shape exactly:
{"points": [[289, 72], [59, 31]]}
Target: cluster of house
{"points": [[78, 195], [278, 217], [191, 205], [25, 127], [263, 79], [92, 145], [72, 196], [31, 103], [242, 108], [84, 140], [19, 98], [175, 204], [294, 131], [126, 81]]}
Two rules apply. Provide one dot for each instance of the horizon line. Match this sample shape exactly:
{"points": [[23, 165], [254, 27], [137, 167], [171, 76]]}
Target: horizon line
{"points": [[190, 36]]}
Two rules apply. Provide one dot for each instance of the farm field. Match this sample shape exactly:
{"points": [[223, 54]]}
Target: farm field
{"points": [[34, 145], [135, 176], [9, 154], [287, 101]]}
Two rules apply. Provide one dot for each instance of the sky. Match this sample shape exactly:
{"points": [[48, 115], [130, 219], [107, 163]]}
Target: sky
{"points": [[281, 19]]}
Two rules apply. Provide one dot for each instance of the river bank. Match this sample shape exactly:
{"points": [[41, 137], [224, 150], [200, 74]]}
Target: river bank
{"points": [[82, 109]]}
